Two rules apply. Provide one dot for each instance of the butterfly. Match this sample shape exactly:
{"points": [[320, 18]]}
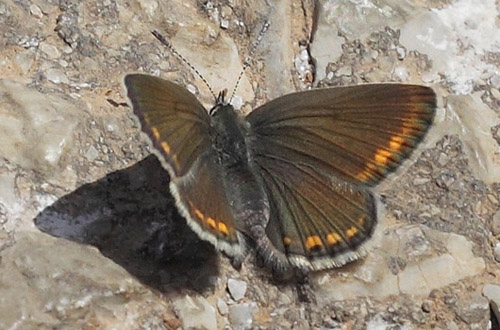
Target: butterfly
{"points": [[293, 177]]}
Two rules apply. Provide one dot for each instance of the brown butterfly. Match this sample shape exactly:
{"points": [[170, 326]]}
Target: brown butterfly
{"points": [[293, 176]]}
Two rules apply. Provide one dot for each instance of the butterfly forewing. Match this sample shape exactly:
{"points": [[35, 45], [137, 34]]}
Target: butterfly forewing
{"points": [[172, 117], [357, 133], [179, 129]]}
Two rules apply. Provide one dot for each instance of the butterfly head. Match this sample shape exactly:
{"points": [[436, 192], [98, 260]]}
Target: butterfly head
{"points": [[220, 101]]}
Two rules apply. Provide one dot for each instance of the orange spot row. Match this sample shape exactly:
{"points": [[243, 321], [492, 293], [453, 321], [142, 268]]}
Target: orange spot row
{"points": [[381, 158], [314, 242], [211, 222]]}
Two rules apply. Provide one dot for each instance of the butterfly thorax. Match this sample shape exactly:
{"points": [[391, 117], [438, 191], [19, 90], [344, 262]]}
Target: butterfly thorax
{"points": [[229, 136], [242, 182]]}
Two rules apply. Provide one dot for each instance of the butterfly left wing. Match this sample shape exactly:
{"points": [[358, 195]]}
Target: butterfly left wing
{"points": [[179, 130], [317, 152]]}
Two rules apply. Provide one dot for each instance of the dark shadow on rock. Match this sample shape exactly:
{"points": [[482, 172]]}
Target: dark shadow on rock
{"points": [[130, 216]]}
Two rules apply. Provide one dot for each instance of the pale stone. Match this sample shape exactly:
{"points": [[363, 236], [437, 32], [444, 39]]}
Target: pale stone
{"points": [[469, 117], [57, 76], [425, 270], [149, 6], [326, 47], [241, 315], [492, 292], [495, 224], [36, 11], [91, 153], [496, 252], [50, 50], [222, 307], [37, 129], [474, 310], [196, 313], [237, 288], [220, 72], [48, 281], [357, 19], [435, 33], [24, 61]]}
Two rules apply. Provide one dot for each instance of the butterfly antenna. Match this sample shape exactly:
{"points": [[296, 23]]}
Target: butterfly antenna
{"points": [[246, 63], [176, 53]]}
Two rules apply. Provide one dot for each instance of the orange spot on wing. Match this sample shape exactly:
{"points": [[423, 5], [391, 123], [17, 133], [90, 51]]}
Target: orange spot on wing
{"points": [[363, 176], [351, 232], [199, 214], [333, 238], [211, 223], [313, 242], [156, 133], [382, 156], [361, 220], [175, 160], [396, 142], [223, 228], [287, 240], [165, 147]]}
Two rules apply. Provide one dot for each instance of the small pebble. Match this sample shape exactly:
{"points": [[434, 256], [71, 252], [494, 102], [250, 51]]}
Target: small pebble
{"points": [[222, 307], [241, 315], [401, 53], [236, 288], [427, 306], [91, 153], [495, 224], [196, 313], [496, 252], [344, 71], [50, 50], [473, 310], [57, 76], [495, 81], [224, 23], [401, 73], [36, 11], [496, 93]]}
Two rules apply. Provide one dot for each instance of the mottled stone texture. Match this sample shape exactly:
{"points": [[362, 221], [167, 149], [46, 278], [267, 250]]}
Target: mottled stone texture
{"points": [[90, 236]]}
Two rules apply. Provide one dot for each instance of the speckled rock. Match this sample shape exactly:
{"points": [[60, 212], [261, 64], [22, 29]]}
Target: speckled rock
{"points": [[115, 253]]}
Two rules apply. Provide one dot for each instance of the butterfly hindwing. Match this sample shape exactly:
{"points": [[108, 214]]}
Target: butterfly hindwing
{"points": [[179, 129], [323, 222], [203, 201]]}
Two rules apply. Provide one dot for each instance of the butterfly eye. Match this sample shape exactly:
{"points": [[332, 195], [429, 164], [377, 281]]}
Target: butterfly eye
{"points": [[214, 110]]}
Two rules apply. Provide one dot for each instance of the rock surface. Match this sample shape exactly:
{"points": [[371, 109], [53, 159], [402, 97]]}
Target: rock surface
{"points": [[89, 233]]}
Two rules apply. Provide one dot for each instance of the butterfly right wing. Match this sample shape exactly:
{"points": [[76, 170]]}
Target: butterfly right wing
{"points": [[319, 150], [178, 127]]}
